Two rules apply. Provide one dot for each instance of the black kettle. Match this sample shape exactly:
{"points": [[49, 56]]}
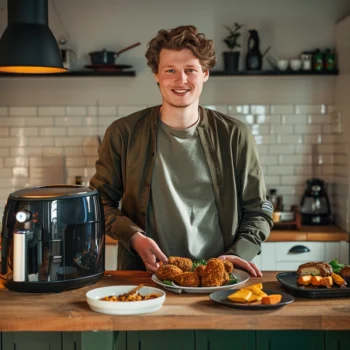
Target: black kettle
{"points": [[253, 60]]}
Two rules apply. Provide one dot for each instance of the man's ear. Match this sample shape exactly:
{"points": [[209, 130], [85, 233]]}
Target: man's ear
{"points": [[156, 77], [206, 75]]}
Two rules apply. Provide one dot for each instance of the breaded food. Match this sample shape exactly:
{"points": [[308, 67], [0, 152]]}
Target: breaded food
{"points": [[213, 275], [184, 264], [228, 266], [345, 273], [188, 279], [200, 270], [168, 272], [226, 277], [315, 269]]}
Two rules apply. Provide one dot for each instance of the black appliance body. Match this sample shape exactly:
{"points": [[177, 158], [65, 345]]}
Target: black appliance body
{"points": [[315, 207], [254, 57], [52, 239]]}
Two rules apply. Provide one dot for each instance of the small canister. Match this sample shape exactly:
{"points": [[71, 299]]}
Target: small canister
{"points": [[329, 60], [306, 61], [318, 60]]}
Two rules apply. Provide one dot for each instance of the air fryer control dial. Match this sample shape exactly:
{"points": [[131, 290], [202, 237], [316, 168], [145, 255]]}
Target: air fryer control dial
{"points": [[23, 216]]}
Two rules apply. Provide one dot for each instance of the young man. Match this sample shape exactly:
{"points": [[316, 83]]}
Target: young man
{"points": [[189, 178]]}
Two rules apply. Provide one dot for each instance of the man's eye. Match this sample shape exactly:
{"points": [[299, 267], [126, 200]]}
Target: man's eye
{"points": [[170, 70], [191, 70]]}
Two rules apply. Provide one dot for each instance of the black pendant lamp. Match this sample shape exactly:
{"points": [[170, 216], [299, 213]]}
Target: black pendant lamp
{"points": [[28, 45]]}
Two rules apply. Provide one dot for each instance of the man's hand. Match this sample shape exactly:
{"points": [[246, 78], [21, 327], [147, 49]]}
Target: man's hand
{"points": [[148, 250], [248, 266]]}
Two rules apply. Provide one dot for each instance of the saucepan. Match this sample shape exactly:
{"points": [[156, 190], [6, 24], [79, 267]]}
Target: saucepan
{"points": [[108, 57]]}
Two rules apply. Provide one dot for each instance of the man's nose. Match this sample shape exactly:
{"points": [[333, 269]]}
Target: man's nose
{"points": [[181, 77]]}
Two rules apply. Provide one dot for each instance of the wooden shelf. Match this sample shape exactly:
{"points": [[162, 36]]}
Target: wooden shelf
{"points": [[272, 72], [82, 73]]}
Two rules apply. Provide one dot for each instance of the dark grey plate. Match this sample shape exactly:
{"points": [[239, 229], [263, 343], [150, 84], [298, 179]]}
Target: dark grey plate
{"points": [[289, 282], [221, 297]]}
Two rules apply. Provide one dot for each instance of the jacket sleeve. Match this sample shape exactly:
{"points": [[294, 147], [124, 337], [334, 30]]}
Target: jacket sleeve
{"points": [[108, 180], [256, 212]]}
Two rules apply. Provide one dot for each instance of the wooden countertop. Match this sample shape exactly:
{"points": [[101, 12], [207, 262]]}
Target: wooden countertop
{"points": [[68, 311], [306, 233], [309, 233]]}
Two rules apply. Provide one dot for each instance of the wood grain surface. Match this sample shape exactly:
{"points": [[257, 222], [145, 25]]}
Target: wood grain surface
{"points": [[68, 311]]}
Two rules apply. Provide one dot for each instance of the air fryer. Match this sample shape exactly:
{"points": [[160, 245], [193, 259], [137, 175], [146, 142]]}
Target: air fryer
{"points": [[52, 239], [315, 207]]}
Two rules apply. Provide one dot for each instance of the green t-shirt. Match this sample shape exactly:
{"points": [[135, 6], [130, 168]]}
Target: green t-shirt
{"points": [[182, 216]]}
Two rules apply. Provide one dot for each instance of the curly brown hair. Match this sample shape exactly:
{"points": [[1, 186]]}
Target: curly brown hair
{"points": [[183, 37]]}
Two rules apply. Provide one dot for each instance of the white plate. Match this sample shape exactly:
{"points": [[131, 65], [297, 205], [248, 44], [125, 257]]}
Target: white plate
{"points": [[124, 308], [242, 277]]}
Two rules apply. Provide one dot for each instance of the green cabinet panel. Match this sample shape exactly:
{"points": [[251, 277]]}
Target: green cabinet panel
{"points": [[31, 341], [338, 340], [228, 340], [159, 340], [102, 340], [290, 340]]}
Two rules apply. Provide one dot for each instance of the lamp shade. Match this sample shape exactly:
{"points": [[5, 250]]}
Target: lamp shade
{"points": [[28, 45]]}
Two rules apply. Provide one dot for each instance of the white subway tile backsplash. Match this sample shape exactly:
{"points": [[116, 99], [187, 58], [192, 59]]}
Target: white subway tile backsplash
{"points": [[4, 132], [307, 129], [26, 151], [259, 109], [218, 108], [12, 121], [281, 129], [310, 109], [16, 161], [238, 109], [280, 170], [258, 129], [294, 159], [285, 139], [294, 119], [281, 149], [281, 109], [76, 110], [36, 138], [24, 131], [57, 131], [107, 110], [41, 141], [22, 111], [52, 110], [268, 119], [68, 121]]}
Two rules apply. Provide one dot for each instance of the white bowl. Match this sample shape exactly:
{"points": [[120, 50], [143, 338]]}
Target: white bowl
{"points": [[124, 308], [295, 64], [282, 64]]}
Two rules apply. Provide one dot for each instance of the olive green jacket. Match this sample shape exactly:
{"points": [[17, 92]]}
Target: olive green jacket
{"points": [[124, 172]]}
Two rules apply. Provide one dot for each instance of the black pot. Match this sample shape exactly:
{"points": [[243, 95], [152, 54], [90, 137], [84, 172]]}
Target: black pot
{"points": [[231, 61], [108, 57]]}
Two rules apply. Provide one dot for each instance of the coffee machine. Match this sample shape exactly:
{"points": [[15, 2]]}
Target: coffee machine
{"points": [[52, 239], [315, 208]]}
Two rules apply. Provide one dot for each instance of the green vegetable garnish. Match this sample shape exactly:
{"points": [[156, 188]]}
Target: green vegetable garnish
{"points": [[169, 283], [336, 266], [232, 280], [198, 263]]}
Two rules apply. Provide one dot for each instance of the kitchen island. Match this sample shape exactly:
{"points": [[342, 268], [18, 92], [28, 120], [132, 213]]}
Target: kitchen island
{"points": [[186, 321]]}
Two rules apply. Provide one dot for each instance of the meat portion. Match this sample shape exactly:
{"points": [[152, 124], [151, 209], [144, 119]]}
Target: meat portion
{"points": [[214, 273], [315, 269], [345, 272], [188, 279], [184, 264], [168, 272], [200, 270]]}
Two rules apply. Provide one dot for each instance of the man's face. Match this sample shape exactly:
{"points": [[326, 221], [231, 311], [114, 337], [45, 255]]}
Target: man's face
{"points": [[180, 77]]}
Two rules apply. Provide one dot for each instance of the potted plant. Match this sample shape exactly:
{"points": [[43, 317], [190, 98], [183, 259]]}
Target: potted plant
{"points": [[231, 58]]}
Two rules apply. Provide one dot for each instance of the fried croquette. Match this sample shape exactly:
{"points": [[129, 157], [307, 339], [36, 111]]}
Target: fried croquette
{"points": [[184, 264], [228, 266], [168, 272], [226, 277], [188, 279], [200, 270], [213, 275]]}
